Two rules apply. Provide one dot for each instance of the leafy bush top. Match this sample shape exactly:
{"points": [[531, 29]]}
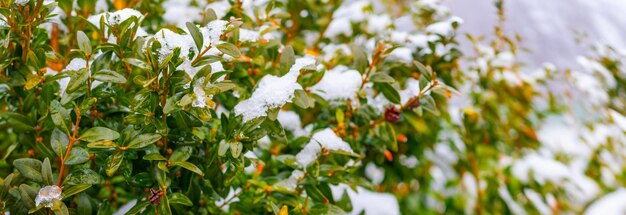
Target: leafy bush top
{"points": [[194, 107]]}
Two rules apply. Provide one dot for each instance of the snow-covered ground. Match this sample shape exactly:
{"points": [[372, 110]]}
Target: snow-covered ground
{"points": [[546, 26]]}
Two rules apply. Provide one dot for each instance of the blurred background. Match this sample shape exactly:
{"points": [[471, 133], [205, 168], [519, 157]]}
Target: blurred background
{"points": [[548, 27]]}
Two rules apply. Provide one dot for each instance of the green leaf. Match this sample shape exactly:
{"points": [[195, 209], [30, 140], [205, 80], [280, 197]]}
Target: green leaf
{"points": [[426, 72], [105, 144], [69, 191], [29, 168], [78, 81], [302, 99], [98, 134], [83, 42], [170, 105], [325, 189], [137, 63], [345, 203], [390, 93], [179, 198], [106, 75], [235, 148], [360, 58], [391, 137], [60, 116], [209, 15], [138, 208], [188, 166], [32, 81], [381, 77], [62, 208], [154, 157], [27, 193], [46, 172], [83, 205], [113, 163], [78, 155], [164, 207], [287, 59], [83, 176], [143, 140], [315, 194], [229, 49], [59, 142], [195, 34], [15, 121], [222, 148], [181, 154]]}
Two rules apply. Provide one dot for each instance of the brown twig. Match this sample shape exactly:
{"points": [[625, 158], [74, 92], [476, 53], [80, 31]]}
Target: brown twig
{"points": [[73, 140]]}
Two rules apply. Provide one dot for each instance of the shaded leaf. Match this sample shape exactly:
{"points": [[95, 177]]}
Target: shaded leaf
{"points": [[98, 134]]}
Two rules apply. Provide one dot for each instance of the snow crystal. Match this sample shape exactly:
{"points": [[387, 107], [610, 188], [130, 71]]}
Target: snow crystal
{"points": [[21, 2], [246, 35], [444, 28], [213, 31], [378, 23], [230, 197], [115, 18], [610, 204], [536, 200], [326, 139], [368, 201], [402, 54], [201, 97], [47, 195], [220, 7], [291, 121], [338, 84], [75, 65], [101, 6], [338, 27], [291, 183], [120, 16], [408, 161], [375, 173], [543, 169], [352, 10], [504, 59], [619, 119], [592, 66], [272, 92], [332, 51], [170, 40], [179, 12]]}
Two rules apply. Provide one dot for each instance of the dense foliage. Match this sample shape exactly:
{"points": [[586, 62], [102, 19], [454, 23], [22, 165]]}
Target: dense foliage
{"points": [[281, 106]]}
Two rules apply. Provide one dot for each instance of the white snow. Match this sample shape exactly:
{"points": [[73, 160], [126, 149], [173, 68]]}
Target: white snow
{"points": [[611, 204], [338, 84], [543, 169], [21, 2], [273, 92], [375, 173], [75, 65], [179, 12], [322, 139], [368, 201], [378, 23], [290, 120], [445, 28], [402, 54], [200, 101], [291, 183], [338, 27], [47, 195], [246, 35]]}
